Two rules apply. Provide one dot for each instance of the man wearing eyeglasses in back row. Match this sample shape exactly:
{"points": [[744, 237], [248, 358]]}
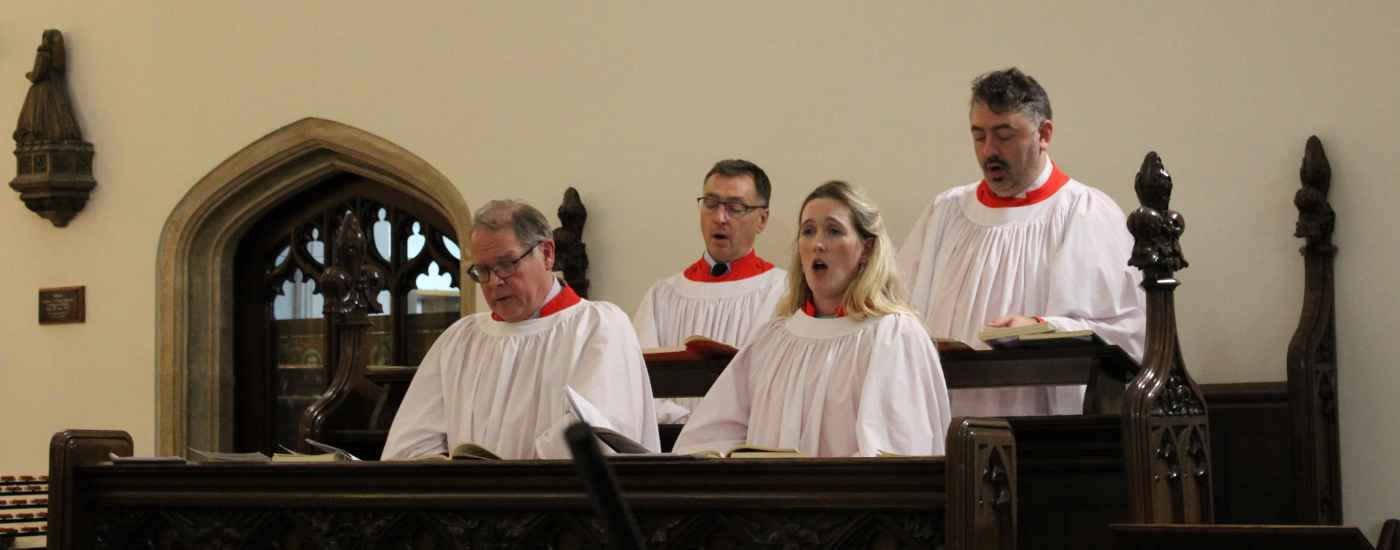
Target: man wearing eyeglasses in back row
{"points": [[730, 291], [501, 380]]}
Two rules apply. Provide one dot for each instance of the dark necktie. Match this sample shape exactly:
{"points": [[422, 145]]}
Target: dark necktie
{"points": [[719, 270]]}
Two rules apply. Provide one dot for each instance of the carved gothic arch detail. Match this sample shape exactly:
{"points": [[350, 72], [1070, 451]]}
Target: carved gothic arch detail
{"points": [[194, 314]]}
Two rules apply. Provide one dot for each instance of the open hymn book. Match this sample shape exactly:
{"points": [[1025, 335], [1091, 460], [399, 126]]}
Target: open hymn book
{"points": [[463, 451], [1042, 334], [695, 348], [754, 451]]}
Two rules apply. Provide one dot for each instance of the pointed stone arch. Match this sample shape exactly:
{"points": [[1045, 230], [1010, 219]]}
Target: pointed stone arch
{"points": [[194, 313]]}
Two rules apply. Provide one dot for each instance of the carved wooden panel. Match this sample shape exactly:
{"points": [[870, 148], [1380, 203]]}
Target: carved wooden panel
{"points": [[796, 504], [982, 504], [161, 529]]}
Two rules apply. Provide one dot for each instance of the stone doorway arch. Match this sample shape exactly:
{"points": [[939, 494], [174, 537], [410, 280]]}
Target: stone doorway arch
{"points": [[194, 308]]}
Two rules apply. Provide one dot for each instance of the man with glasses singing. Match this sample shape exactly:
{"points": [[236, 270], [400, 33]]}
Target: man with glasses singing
{"points": [[727, 293], [502, 380]]}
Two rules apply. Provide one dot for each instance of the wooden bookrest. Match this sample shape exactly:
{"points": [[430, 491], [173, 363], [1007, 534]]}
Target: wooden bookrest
{"points": [[966, 500]]}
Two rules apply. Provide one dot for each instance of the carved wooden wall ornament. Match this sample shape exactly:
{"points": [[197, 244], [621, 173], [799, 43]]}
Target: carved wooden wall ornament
{"points": [[1312, 361], [54, 163], [1166, 442], [570, 254]]}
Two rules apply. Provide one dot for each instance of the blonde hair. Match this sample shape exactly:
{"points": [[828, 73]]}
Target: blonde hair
{"points": [[877, 288]]}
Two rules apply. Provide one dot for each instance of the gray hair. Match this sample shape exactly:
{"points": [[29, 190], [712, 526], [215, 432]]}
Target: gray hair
{"points": [[1012, 90], [530, 226]]}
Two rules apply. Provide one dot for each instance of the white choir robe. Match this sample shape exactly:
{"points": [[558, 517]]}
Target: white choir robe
{"points": [[1064, 259], [502, 385], [677, 308], [830, 387]]}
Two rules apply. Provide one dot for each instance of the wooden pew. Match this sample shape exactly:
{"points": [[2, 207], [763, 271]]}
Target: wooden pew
{"points": [[1275, 445], [966, 501], [1293, 497]]}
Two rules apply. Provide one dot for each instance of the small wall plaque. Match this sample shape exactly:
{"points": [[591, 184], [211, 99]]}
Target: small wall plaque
{"points": [[63, 305]]}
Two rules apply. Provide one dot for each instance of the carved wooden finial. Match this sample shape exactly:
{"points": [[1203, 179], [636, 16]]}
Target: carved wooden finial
{"points": [[54, 164], [1156, 228], [351, 289], [1315, 216], [570, 253], [350, 286], [1165, 423]]}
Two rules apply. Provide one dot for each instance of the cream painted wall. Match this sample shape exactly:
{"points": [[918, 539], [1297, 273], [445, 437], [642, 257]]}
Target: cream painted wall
{"points": [[631, 102]]}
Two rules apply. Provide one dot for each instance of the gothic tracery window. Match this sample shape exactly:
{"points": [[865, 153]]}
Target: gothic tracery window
{"points": [[285, 346]]}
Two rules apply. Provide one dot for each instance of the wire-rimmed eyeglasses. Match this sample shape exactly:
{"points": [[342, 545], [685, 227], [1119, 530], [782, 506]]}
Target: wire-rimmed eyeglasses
{"points": [[503, 271], [736, 209]]}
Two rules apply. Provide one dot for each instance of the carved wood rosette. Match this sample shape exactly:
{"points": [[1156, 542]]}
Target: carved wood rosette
{"points": [[1166, 438], [1312, 362], [982, 507], [350, 286]]}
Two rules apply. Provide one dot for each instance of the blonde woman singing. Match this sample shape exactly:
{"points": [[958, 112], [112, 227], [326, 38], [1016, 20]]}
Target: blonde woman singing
{"points": [[845, 368]]}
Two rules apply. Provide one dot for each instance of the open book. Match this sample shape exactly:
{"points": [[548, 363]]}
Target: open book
{"points": [[950, 344], [1042, 334], [332, 454], [754, 451], [463, 451], [695, 348], [210, 456], [603, 426]]}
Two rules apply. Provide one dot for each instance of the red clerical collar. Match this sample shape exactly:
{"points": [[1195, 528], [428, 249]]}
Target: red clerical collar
{"points": [[811, 310], [565, 299], [989, 199], [748, 266]]}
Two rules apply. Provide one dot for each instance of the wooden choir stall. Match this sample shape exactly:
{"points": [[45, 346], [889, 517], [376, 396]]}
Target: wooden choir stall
{"points": [[1144, 450], [1153, 451]]}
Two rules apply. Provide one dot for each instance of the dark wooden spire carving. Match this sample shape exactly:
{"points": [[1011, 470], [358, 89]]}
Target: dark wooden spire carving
{"points": [[1167, 453], [570, 254], [54, 175], [351, 287], [1312, 358]]}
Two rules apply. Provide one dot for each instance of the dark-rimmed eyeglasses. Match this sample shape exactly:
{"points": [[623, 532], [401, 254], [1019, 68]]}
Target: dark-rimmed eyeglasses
{"points": [[736, 209], [503, 271]]}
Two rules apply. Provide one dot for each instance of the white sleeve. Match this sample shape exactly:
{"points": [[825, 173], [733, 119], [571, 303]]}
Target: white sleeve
{"points": [[911, 253], [904, 400], [916, 259], [1092, 287], [644, 322], [611, 374], [419, 428], [721, 421]]}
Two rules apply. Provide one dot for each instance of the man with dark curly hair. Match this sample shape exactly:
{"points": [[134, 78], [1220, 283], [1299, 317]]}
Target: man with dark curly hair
{"points": [[1027, 244]]}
